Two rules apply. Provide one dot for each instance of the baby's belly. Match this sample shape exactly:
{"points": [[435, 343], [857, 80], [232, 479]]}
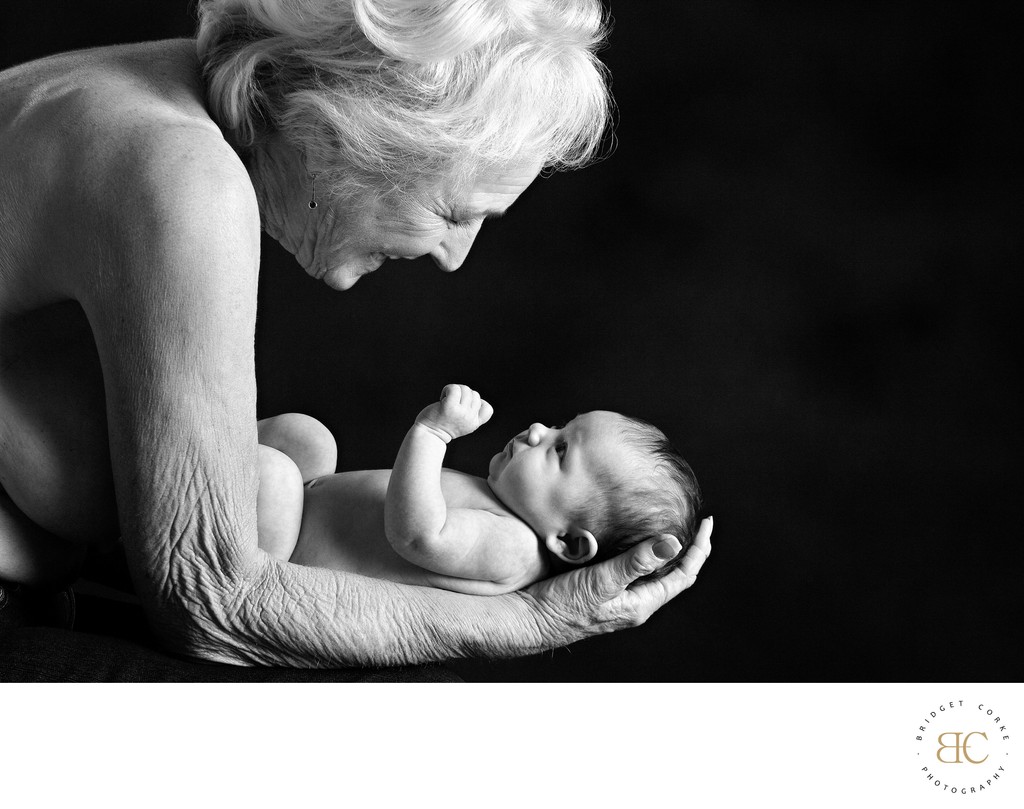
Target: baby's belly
{"points": [[343, 528]]}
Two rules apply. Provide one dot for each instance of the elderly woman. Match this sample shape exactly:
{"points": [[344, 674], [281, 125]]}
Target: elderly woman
{"points": [[136, 180]]}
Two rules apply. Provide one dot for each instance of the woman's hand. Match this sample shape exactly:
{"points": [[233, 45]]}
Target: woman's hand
{"points": [[607, 596]]}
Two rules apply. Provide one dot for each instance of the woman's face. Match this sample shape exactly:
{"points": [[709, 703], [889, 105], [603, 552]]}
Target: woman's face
{"points": [[342, 243]]}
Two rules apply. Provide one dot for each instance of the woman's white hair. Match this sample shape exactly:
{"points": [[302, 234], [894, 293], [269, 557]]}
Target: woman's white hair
{"points": [[386, 94]]}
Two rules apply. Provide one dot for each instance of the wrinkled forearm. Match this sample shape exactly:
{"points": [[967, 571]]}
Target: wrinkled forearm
{"points": [[288, 615], [209, 592], [173, 320]]}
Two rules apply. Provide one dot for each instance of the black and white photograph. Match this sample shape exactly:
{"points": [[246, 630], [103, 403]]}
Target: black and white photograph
{"points": [[561, 342]]}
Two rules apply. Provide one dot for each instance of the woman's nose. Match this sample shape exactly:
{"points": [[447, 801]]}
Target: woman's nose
{"points": [[455, 246], [535, 434]]}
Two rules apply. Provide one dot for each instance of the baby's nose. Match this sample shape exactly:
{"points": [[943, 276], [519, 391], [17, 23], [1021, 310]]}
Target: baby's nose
{"points": [[535, 434]]}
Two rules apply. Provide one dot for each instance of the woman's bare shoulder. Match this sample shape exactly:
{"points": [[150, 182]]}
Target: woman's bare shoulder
{"points": [[148, 100], [120, 115], [118, 142]]}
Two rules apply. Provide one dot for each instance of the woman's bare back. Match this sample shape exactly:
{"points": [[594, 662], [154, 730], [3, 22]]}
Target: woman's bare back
{"points": [[73, 129]]}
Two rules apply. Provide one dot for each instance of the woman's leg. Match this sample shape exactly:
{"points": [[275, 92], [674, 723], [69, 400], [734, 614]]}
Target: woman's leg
{"points": [[32, 555], [278, 504], [56, 485], [303, 439]]}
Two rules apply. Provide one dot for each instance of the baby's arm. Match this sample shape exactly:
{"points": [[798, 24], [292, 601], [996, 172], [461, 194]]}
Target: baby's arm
{"points": [[466, 543]]}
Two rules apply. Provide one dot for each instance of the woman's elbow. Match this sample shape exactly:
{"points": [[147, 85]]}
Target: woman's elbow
{"points": [[203, 610]]}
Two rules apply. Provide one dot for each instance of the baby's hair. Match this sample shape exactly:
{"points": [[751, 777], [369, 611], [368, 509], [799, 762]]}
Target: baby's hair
{"points": [[659, 495]]}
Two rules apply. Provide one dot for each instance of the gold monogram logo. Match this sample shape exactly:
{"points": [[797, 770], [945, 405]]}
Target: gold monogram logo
{"points": [[961, 747]]}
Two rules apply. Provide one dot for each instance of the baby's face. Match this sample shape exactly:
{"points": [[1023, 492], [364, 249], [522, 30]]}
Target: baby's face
{"points": [[546, 474]]}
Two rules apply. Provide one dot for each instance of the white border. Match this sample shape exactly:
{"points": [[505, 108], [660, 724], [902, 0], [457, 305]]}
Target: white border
{"points": [[595, 745]]}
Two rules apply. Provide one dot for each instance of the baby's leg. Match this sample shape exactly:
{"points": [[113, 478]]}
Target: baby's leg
{"points": [[278, 504], [303, 439]]}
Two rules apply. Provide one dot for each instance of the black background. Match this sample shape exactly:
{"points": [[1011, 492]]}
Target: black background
{"points": [[802, 262]]}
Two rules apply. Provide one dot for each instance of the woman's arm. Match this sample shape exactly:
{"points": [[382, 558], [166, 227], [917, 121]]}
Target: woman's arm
{"points": [[173, 312]]}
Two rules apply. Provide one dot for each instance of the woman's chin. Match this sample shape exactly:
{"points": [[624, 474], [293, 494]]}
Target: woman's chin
{"points": [[345, 276], [339, 280]]}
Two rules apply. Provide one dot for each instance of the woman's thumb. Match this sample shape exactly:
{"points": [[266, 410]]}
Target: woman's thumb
{"points": [[616, 574]]}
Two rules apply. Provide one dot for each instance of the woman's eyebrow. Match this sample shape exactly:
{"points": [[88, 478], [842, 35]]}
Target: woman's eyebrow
{"points": [[486, 213]]}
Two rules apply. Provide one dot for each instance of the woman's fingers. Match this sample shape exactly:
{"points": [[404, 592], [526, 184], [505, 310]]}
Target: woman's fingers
{"points": [[610, 578], [617, 574], [606, 596], [654, 594], [699, 551]]}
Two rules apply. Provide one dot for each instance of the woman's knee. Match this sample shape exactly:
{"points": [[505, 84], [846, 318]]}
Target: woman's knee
{"points": [[303, 439], [31, 555]]}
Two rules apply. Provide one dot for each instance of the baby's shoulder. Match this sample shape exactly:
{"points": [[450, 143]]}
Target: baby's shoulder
{"points": [[508, 554], [469, 491]]}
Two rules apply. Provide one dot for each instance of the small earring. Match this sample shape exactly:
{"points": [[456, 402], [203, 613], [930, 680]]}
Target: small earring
{"points": [[312, 196]]}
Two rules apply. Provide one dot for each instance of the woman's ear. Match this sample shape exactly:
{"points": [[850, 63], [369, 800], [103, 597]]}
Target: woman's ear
{"points": [[577, 546]]}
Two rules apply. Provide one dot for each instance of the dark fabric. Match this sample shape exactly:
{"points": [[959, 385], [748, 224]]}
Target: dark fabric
{"points": [[27, 606], [112, 643], [45, 654]]}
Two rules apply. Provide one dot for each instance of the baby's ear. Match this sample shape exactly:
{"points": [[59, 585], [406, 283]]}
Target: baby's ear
{"points": [[577, 546]]}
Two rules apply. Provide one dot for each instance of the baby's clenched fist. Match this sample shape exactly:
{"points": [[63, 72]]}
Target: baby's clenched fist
{"points": [[459, 412]]}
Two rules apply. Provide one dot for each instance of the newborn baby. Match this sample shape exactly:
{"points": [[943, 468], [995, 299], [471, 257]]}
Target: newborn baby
{"points": [[554, 497]]}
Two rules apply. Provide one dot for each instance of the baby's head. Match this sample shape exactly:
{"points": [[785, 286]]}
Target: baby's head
{"points": [[597, 486]]}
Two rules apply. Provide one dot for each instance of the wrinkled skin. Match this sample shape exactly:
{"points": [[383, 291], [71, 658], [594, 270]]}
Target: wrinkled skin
{"points": [[129, 258]]}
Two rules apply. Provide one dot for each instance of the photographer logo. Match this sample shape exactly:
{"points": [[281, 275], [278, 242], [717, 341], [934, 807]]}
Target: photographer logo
{"points": [[963, 748]]}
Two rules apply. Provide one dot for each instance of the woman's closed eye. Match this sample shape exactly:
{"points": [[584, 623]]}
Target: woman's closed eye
{"points": [[560, 449]]}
